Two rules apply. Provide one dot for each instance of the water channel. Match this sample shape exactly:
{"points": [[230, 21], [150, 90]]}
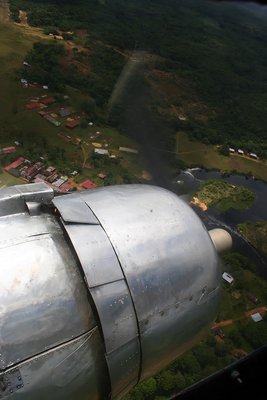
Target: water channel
{"points": [[187, 182]]}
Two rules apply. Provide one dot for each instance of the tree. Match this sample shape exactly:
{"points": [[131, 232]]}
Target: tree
{"points": [[84, 124], [205, 355], [187, 364], [167, 380], [144, 389], [224, 150], [180, 381]]}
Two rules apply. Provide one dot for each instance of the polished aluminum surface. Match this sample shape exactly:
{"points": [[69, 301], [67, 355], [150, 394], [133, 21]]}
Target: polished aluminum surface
{"points": [[74, 370], [124, 364], [43, 300], [13, 199], [137, 257], [116, 313], [74, 210], [95, 253], [169, 262], [112, 300]]}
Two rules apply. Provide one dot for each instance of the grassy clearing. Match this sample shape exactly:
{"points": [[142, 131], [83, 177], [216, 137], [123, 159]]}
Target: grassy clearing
{"points": [[195, 153], [225, 196], [8, 180]]}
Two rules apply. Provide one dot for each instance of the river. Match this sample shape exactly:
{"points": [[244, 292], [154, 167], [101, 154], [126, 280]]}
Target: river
{"points": [[187, 183]]}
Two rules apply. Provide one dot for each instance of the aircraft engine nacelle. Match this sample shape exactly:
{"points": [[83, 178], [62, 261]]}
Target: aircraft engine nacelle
{"points": [[99, 289]]}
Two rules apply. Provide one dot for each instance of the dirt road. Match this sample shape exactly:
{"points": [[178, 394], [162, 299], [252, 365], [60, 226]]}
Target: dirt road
{"points": [[4, 11]]}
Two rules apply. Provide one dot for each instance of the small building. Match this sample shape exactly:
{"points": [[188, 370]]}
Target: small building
{"points": [[45, 87], [219, 332], [227, 277], [102, 175], [231, 150], [241, 152], [52, 120], [72, 124], [24, 83], [9, 150], [39, 177], [65, 112], [48, 100], [17, 143], [49, 171], [102, 152], [256, 317], [128, 150], [60, 181], [88, 184], [15, 164], [33, 106], [52, 177], [253, 155]]}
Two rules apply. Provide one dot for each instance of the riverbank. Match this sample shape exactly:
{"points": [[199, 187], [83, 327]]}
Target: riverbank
{"points": [[195, 153], [223, 195]]}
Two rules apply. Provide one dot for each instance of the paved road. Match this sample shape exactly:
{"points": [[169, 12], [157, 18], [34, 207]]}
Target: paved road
{"points": [[4, 11]]}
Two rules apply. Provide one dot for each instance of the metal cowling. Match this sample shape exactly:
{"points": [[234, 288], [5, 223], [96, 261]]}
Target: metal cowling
{"points": [[141, 274]]}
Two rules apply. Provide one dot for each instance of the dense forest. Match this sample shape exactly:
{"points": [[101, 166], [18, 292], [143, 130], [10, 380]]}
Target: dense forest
{"points": [[219, 51]]}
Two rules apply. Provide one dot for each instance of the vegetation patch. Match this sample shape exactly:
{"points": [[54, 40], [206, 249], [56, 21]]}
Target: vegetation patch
{"points": [[224, 195], [256, 234]]}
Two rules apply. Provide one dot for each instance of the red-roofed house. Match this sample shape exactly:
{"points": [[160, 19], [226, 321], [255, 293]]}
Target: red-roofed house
{"points": [[9, 150], [72, 124], [88, 184], [33, 106], [15, 164], [48, 100]]}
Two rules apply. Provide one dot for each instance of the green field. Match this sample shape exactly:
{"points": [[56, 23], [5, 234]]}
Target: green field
{"points": [[8, 180], [195, 153]]}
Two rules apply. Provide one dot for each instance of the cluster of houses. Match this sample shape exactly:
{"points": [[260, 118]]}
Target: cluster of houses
{"points": [[55, 114], [38, 172], [242, 153]]}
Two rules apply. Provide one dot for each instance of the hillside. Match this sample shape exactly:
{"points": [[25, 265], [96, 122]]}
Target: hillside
{"points": [[211, 73]]}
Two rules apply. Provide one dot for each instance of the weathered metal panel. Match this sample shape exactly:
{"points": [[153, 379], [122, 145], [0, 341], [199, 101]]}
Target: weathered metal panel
{"points": [[95, 253], [75, 370], [74, 210], [13, 199], [116, 313], [43, 299], [123, 365], [167, 257]]}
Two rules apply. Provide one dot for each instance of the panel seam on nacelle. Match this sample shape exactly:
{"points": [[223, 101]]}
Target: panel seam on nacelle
{"points": [[134, 308]]}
